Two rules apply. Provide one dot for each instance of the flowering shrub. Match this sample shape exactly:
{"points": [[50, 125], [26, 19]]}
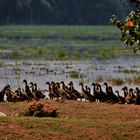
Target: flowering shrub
{"points": [[130, 28]]}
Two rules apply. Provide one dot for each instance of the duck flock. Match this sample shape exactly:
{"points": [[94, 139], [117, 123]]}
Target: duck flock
{"points": [[59, 91]]}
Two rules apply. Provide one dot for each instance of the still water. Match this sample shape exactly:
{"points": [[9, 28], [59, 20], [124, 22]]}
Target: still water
{"points": [[14, 72]]}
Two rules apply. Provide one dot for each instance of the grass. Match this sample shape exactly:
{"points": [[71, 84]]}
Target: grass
{"points": [[76, 120], [61, 42], [54, 31]]}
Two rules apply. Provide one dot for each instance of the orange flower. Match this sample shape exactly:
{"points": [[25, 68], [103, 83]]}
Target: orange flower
{"points": [[130, 24]]}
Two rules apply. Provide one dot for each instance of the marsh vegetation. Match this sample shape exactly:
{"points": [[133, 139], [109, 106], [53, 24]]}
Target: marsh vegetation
{"points": [[60, 42]]}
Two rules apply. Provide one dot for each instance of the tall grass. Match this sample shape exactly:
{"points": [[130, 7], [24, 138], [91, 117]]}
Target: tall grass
{"points": [[117, 81], [134, 80]]}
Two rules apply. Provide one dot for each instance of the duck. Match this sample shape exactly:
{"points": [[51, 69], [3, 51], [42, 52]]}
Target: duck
{"points": [[74, 91], [137, 99], [38, 93], [27, 90], [109, 91], [86, 93], [120, 98]]}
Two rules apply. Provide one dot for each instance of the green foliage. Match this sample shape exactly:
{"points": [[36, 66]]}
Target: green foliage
{"points": [[130, 28]]}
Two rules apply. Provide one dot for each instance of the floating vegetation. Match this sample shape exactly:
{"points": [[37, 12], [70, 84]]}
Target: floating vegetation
{"points": [[127, 71], [74, 74]]}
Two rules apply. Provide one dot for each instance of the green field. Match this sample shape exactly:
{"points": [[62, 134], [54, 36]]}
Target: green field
{"points": [[60, 42]]}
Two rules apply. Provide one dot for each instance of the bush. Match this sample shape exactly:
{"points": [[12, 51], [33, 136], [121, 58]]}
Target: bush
{"points": [[130, 28], [41, 109]]}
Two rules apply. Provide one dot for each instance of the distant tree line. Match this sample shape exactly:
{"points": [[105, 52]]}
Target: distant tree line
{"points": [[61, 11]]}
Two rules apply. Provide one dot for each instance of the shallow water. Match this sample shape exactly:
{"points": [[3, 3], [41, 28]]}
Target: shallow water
{"points": [[13, 72]]}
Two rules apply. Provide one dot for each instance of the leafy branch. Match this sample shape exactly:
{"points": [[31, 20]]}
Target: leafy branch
{"points": [[130, 27]]}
